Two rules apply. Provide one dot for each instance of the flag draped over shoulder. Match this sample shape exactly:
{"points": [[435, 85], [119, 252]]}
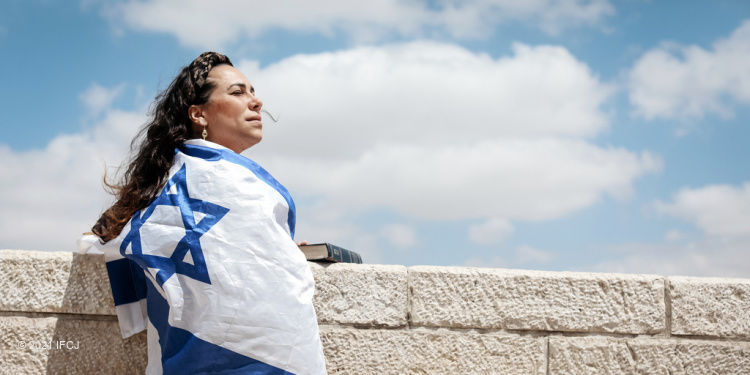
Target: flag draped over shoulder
{"points": [[211, 270]]}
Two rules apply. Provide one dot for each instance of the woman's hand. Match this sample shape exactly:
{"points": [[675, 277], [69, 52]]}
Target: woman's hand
{"points": [[302, 243]]}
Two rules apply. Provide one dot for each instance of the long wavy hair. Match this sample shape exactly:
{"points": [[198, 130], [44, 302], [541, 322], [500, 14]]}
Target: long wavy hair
{"points": [[152, 157]]}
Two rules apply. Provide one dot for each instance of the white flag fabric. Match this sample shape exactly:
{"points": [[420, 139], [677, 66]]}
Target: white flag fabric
{"points": [[211, 270]]}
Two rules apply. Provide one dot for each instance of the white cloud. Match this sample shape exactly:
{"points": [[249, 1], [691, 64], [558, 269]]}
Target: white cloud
{"points": [[344, 102], [528, 254], [399, 236], [97, 98], [523, 255], [492, 231], [435, 131], [512, 179], [674, 235], [211, 24], [718, 210], [707, 257], [50, 196], [721, 212], [682, 82], [494, 262]]}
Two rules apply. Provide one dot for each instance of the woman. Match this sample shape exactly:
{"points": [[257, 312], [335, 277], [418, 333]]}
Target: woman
{"points": [[204, 236]]}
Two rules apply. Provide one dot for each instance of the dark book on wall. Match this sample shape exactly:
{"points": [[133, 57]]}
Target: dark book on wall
{"points": [[325, 252]]}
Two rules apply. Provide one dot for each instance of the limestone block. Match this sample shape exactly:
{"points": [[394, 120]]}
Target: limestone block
{"points": [[603, 355], [380, 351], [60, 282], [710, 306], [360, 294], [535, 300], [53, 345], [22, 342]]}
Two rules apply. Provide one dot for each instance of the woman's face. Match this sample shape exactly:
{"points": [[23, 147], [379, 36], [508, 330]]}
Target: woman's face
{"points": [[232, 112]]}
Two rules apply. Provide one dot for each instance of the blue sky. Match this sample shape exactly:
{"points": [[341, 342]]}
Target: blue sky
{"points": [[556, 135]]}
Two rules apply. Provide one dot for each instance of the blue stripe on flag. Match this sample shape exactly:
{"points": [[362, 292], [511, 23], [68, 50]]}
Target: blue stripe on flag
{"points": [[127, 280], [184, 353], [212, 154]]}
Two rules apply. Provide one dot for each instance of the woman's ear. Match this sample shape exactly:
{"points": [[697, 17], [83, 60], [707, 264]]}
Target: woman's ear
{"points": [[195, 113]]}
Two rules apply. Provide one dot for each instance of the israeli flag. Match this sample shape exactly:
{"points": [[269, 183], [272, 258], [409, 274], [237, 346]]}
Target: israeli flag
{"points": [[211, 270]]}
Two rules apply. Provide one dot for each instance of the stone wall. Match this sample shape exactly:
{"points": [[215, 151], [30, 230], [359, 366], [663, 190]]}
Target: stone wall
{"points": [[380, 319]]}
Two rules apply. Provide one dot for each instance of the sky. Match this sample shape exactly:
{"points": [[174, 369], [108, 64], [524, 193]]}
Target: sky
{"points": [[561, 135]]}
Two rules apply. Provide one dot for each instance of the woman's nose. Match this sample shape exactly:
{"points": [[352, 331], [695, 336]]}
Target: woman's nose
{"points": [[255, 103]]}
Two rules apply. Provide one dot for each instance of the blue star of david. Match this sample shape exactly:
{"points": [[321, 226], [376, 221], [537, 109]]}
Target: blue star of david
{"points": [[176, 263]]}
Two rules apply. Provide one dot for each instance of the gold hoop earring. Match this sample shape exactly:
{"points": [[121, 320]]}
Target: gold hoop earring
{"points": [[205, 133]]}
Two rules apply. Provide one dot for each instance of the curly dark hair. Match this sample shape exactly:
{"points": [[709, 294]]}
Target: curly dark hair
{"points": [[152, 157]]}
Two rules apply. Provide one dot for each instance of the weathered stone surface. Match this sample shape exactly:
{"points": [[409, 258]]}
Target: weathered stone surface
{"points": [[710, 306], [600, 355], [20, 342], [60, 282], [64, 282], [534, 300], [375, 351], [360, 294], [53, 345], [38, 290]]}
